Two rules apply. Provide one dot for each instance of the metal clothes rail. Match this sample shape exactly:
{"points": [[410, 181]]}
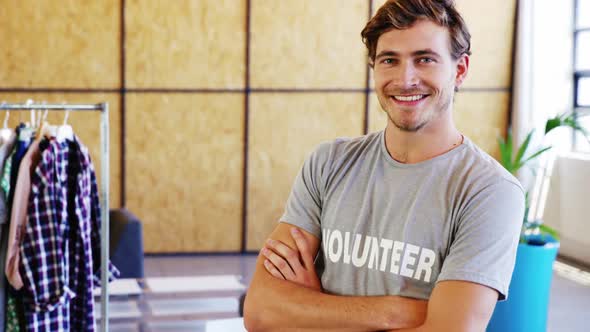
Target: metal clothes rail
{"points": [[104, 188]]}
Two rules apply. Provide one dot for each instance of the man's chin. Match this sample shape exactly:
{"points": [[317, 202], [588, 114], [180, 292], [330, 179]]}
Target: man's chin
{"points": [[406, 126], [409, 128]]}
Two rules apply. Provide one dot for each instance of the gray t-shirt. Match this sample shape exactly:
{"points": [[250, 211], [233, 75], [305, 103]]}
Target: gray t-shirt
{"points": [[388, 228]]}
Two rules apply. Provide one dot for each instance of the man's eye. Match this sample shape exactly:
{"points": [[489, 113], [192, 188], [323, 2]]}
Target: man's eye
{"points": [[387, 61], [426, 60]]}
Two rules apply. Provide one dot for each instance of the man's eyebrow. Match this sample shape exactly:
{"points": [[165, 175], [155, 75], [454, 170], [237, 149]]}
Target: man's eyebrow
{"points": [[427, 51], [386, 53]]}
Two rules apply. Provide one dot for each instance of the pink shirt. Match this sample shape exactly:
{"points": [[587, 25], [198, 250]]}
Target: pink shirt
{"points": [[18, 217]]}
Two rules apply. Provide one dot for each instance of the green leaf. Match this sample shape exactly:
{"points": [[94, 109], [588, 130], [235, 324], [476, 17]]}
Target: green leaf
{"points": [[505, 153], [575, 125], [509, 144], [523, 148], [567, 120], [552, 124], [549, 230], [536, 154]]}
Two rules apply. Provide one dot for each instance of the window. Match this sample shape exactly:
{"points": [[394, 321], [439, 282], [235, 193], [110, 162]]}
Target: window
{"points": [[582, 70]]}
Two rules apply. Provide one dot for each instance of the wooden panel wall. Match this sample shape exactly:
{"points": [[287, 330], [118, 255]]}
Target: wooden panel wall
{"points": [[216, 103], [65, 44], [301, 46], [300, 121], [185, 43], [307, 44], [184, 140], [184, 163]]}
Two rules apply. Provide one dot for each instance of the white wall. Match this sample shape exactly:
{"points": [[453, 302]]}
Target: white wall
{"points": [[543, 81], [568, 205], [552, 90]]}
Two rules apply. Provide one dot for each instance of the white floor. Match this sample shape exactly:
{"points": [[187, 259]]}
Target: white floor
{"points": [[569, 302]]}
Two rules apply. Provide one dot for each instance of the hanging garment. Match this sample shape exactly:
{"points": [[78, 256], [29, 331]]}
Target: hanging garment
{"points": [[15, 320], [60, 251], [6, 148], [86, 213], [16, 228], [8, 316], [19, 213], [20, 148]]}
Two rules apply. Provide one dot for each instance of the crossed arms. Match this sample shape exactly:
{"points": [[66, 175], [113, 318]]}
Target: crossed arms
{"points": [[285, 295]]}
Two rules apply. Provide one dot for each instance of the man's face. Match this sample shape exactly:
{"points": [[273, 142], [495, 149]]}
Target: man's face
{"points": [[415, 75]]}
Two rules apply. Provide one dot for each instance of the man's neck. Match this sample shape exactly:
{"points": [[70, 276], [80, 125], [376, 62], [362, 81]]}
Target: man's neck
{"points": [[427, 143]]}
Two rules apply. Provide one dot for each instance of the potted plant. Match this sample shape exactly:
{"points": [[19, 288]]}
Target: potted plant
{"points": [[526, 307]]}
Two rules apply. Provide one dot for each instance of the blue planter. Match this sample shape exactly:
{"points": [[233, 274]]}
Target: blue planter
{"points": [[528, 296]]}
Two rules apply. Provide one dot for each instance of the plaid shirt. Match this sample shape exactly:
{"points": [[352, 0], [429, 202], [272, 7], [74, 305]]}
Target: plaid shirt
{"points": [[61, 245]]}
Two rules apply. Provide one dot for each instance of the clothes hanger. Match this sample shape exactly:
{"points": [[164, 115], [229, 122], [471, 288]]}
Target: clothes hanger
{"points": [[65, 131], [49, 130], [27, 133], [5, 132], [45, 129]]}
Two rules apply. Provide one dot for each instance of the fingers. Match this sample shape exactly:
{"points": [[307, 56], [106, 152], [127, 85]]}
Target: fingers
{"points": [[303, 248], [273, 270], [290, 255], [280, 263]]}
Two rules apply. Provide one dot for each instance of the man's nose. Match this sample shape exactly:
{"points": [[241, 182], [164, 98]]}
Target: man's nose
{"points": [[406, 76]]}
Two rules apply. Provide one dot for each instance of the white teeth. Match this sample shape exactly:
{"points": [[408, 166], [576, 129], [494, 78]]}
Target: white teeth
{"points": [[408, 98]]}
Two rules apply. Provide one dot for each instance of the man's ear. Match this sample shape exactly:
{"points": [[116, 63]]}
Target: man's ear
{"points": [[462, 69]]}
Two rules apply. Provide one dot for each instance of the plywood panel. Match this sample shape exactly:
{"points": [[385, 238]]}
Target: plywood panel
{"points": [[284, 129], [375, 6], [184, 170], [377, 117], [65, 44], [482, 116], [491, 24], [308, 44], [186, 44], [86, 126]]}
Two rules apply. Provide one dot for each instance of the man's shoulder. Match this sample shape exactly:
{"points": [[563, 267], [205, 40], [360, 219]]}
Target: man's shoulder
{"points": [[485, 169], [343, 153], [345, 146]]}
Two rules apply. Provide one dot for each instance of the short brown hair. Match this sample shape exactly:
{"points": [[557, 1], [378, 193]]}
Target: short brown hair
{"points": [[402, 14]]}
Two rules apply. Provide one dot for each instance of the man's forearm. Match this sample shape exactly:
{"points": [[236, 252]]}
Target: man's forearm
{"points": [[282, 304], [340, 329]]}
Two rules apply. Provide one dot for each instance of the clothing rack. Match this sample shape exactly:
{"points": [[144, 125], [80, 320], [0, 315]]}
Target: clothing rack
{"points": [[104, 188]]}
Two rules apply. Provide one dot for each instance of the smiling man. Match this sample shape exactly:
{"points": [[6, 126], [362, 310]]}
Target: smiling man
{"points": [[412, 228]]}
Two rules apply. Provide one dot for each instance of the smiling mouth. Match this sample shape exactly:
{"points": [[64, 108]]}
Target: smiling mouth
{"points": [[408, 98]]}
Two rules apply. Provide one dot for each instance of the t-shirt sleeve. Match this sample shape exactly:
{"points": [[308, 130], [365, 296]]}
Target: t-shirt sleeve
{"points": [[484, 247], [304, 206]]}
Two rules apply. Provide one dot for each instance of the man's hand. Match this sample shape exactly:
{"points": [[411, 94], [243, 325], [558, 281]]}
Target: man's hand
{"points": [[293, 265]]}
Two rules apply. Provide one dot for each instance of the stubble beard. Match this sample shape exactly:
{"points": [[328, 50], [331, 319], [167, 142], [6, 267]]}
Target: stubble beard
{"points": [[412, 128]]}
